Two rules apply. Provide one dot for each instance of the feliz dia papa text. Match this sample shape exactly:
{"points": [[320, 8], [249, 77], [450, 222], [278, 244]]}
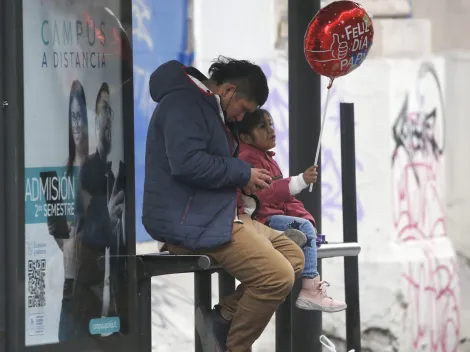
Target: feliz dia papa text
{"points": [[360, 43]]}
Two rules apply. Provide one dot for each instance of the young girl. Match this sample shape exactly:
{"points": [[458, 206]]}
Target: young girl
{"points": [[278, 208]]}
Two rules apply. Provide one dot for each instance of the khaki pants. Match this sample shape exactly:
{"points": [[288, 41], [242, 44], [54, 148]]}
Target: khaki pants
{"points": [[267, 264]]}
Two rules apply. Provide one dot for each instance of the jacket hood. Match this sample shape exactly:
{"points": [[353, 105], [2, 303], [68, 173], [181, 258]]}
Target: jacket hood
{"points": [[173, 76]]}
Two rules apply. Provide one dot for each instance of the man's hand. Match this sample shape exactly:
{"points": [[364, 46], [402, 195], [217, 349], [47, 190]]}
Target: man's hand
{"points": [[259, 179], [51, 229], [115, 207], [311, 175]]}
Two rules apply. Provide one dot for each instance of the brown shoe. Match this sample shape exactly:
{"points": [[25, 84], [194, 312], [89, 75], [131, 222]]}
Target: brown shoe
{"points": [[298, 237], [212, 329]]}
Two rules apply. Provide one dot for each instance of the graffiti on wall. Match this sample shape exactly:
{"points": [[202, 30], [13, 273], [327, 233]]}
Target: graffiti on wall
{"points": [[418, 134], [433, 313], [431, 283], [278, 105], [141, 14], [141, 17], [157, 38]]}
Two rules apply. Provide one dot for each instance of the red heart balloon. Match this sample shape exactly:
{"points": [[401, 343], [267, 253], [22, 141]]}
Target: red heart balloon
{"points": [[338, 39]]}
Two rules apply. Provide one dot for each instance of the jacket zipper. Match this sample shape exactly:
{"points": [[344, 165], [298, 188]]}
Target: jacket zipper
{"points": [[231, 141], [234, 218], [230, 138], [186, 210]]}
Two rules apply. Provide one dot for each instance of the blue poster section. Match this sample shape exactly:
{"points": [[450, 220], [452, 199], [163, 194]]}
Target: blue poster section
{"points": [[159, 35]]}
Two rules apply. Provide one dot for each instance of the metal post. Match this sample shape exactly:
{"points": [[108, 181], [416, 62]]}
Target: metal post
{"points": [[3, 262], [351, 265], [3, 289], [13, 162], [284, 326], [304, 130], [144, 294], [202, 298]]}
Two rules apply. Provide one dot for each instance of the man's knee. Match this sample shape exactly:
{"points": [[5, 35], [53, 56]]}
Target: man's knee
{"points": [[282, 280]]}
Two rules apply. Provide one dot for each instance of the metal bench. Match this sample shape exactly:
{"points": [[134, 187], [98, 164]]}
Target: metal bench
{"points": [[158, 264]]}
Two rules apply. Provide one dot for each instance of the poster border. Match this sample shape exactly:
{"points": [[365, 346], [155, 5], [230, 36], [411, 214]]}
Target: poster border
{"points": [[3, 263], [14, 163], [14, 213]]}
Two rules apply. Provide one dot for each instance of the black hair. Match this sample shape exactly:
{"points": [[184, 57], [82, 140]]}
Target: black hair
{"points": [[251, 120], [103, 89], [248, 77], [77, 92]]}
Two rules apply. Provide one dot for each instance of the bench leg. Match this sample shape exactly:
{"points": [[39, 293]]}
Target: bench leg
{"points": [[203, 298], [226, 284], [284, 326], [144, 294]]}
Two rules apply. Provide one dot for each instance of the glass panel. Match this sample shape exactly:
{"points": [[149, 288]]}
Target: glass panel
{"points": [[75, 187]]}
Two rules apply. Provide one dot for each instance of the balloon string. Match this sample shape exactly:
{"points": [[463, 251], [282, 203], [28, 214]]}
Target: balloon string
{"points": [[325, 107], [331, 83]]}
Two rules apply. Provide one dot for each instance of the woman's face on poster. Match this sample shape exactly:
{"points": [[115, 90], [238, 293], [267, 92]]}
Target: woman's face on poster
{"points": [[77, 121]]}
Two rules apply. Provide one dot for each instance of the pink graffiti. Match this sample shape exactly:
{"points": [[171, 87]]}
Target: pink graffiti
{"points": [[418, 212], [431, 281], [433, 311]]}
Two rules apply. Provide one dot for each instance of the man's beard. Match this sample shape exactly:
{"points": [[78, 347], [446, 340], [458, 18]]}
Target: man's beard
{"points": [[105, 141]]}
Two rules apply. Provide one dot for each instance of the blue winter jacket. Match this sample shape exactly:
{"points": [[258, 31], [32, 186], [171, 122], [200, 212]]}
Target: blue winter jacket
{"points": [[191, 174]]}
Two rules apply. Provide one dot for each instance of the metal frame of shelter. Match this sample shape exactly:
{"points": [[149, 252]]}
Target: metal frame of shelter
{"points": [[12, 190]]}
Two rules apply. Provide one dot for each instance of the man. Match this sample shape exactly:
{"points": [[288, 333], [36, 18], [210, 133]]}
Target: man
{"points": [[191, 178], [103, 287], [103, 233]]}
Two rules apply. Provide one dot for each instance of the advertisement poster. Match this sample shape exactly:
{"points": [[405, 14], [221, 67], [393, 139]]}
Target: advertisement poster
{"points": [[74, 171]]}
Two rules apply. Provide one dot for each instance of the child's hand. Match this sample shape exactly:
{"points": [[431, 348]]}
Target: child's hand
{"points": [[311, 175]]}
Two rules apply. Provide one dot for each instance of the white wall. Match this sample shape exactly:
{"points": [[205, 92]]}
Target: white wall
{"points": [[238, 29], [408, 260]]}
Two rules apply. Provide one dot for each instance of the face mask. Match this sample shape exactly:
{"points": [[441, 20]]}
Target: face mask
{"points": [[224, 111]]}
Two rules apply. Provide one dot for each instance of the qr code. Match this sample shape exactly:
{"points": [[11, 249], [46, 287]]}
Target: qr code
{"points": [[36, 283]]}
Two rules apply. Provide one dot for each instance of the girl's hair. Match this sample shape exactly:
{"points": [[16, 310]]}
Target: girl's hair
{"points": [[103, 89], [77, 92], [251, 120]]}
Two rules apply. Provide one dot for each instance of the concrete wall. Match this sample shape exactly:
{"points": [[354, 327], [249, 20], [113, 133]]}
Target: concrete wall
{"points": [[408, 260], [458, 175], [449, 19]]}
